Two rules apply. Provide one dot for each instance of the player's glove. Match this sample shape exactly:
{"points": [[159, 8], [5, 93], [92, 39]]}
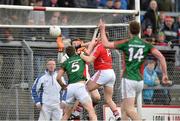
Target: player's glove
{"points": [[60, 44], [80, 49]]}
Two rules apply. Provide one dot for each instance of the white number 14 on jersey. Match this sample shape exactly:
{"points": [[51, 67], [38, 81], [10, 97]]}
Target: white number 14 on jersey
{"points": [[138, 55]]}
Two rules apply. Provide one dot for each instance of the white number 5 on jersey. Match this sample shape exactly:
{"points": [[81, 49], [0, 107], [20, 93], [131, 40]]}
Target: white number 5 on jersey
{"points": [[138, 55], [75, 67]]}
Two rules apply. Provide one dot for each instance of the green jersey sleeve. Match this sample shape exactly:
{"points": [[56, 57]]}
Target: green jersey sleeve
{"points": [[63, 65], [121, 44]]}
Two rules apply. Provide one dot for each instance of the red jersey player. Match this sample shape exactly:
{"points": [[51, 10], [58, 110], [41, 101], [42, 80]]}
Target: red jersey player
{"points": [[104, 75]]}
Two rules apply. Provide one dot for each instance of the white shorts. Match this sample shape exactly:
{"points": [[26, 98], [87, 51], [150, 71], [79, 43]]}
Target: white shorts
{"points": [[104, 77], [131, 88], [77, 91], [53, 112]]}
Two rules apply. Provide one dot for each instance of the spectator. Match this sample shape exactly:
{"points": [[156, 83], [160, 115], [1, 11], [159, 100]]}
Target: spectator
{"points": [[50, 3], [37, 16], [101, 3], [161, 39], [24, 2], [117, 4], [124, 4], [165, 5], [8, 35], [161, 20], [148, 35], [32, 2], [30, 33], [144, 4], [55, 18], [46, 94], [34, 33], [65, 31], [170, 30], [109, 4], [150, 80], [151, 17], [119, 18], [12, 16]]}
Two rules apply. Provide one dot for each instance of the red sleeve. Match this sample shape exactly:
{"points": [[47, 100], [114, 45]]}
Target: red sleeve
{"points": [[97, 51]]}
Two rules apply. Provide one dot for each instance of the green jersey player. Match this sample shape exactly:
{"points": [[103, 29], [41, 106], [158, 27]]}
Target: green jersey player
{"points": [[135, 51], [74, 67]]}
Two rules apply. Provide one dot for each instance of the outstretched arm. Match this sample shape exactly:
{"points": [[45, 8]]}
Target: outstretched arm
{"points": [[59, 78], [104, 38], [92, 44], [85, 44], [162, 60], [88, 59], [60, 44], [83, 48]]}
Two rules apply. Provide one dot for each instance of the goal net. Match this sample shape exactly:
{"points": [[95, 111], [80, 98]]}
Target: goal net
{"points": [[29, 26]]}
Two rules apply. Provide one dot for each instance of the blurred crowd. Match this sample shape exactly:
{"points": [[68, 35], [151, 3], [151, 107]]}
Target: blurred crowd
{"points": [[111, 4], [164, 5], [157, 27]]}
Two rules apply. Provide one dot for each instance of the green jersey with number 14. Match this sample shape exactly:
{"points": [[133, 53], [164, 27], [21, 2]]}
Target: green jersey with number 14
{"points": [[75, 69], [135, 51]]}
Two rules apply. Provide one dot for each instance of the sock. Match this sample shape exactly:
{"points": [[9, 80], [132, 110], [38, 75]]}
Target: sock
{"points": [[116, 114]]}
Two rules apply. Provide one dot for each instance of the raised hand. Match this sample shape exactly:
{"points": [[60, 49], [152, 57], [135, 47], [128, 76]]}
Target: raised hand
{"points": [[101, 24]]}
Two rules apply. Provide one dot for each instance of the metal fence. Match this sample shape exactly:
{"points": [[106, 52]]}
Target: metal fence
{"points": [[20, 64], [16, 75]]}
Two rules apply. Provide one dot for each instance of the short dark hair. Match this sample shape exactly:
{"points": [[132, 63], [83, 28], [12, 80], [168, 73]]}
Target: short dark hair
{"points": [[134, 27], [76, 39], [70, 51]]}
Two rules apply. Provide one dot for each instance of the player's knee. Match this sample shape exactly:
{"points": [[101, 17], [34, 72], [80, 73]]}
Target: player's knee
{"points": [[130, 111], [96, 99], [108, 100], [89, 86]]}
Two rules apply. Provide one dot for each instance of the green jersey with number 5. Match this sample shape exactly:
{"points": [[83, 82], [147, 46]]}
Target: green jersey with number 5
{"points": [[135, 51], [75, 69]]}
